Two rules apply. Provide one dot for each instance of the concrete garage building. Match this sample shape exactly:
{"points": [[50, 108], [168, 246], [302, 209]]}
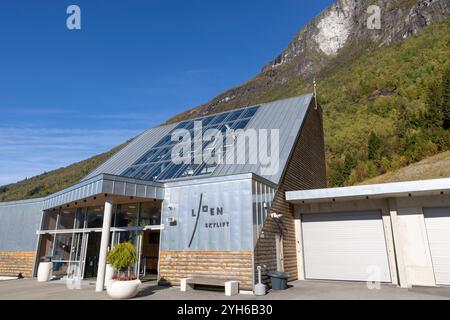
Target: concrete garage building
{"points": [[199, 219], [392, 233]]}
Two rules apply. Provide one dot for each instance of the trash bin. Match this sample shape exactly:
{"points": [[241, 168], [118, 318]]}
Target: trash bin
{"points": [[278, 279], [44, 273]]}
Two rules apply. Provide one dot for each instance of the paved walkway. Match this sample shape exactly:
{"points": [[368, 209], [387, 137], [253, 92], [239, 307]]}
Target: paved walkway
{"points": [[299, 290]]}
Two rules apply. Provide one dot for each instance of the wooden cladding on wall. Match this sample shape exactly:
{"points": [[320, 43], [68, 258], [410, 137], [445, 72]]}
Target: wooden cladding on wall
{"points": [[306, 169], [13, 263], [227, 265]]}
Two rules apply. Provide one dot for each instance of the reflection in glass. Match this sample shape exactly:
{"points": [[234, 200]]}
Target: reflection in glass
{"points": [[150, 214], [127, 215], [49, 220], [66, 219], [60, 268], [95, 217], [62, 246], [46, 245], [80, 218]]}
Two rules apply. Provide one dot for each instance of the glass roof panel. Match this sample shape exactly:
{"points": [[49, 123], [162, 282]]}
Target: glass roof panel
{"points": [[156, 163]]}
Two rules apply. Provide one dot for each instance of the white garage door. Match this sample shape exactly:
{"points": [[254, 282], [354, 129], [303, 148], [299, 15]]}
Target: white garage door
{"points": [[345, 246], [437, 221]]}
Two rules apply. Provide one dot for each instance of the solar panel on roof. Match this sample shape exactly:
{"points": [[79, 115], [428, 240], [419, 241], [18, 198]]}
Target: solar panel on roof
{"points": [[156, 164]]}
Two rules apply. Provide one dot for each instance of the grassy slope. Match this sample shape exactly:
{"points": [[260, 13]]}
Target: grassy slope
{"points": [[360, 93], [434, 167]]}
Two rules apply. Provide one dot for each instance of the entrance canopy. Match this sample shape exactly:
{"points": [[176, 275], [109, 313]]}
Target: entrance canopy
{"points": [[108, 185]]}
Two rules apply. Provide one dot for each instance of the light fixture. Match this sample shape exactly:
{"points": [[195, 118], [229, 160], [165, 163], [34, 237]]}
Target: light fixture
{"points": [[171, 220]]}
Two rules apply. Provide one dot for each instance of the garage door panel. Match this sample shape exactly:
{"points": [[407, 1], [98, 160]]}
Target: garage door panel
{"points": [[330, 218], [437, 222], [345, 246], [359, 270]]}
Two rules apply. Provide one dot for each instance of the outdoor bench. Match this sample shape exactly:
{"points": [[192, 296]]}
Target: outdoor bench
{"points": [[231, 286]]}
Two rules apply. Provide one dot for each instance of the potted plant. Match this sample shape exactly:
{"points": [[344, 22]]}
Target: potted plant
{"points": [[124, 284]]}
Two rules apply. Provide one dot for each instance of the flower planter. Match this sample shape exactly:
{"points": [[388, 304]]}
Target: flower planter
{"points": [[123, 289]]}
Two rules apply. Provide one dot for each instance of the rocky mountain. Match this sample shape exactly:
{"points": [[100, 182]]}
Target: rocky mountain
{"points": [[334, 36], [348, 22], [383, 91]]}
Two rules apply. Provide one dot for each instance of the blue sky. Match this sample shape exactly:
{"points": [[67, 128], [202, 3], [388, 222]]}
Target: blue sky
{"points": [[68, 95]]}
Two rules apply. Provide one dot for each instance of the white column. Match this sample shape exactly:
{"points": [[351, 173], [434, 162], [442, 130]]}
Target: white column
{"points": [[398, 245], [107, 217], [390, 245]]}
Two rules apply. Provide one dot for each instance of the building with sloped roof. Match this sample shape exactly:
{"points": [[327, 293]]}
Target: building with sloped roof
{"points": [[199, 198]]}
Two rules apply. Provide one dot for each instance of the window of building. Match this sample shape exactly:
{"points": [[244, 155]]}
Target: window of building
{"points": [[66, 219], [127, 215], [150, 213], [95, 217], [49, 220]]}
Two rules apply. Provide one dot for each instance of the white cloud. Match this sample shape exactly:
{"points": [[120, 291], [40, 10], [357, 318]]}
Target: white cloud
{"points": [[26, 152]]}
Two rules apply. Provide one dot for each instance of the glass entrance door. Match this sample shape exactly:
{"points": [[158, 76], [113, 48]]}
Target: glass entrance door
{"points": [[76, 265], [92, 254], [150, 254]]}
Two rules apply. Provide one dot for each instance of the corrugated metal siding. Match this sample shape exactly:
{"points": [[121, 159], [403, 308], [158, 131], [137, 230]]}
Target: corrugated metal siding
{"points": [[233, 196], [108, 184], [79, 191], [118, 163], [285, 115], [19, 221]]}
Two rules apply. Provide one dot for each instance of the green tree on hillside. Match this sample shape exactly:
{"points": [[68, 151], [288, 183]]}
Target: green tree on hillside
{"points": [[445, 100], [374, 147], [438, 103], [434, 117]]}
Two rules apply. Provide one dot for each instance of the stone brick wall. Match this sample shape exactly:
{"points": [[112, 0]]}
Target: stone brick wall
{"points": [[306, 169], [15, 262], [175, 265]]}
